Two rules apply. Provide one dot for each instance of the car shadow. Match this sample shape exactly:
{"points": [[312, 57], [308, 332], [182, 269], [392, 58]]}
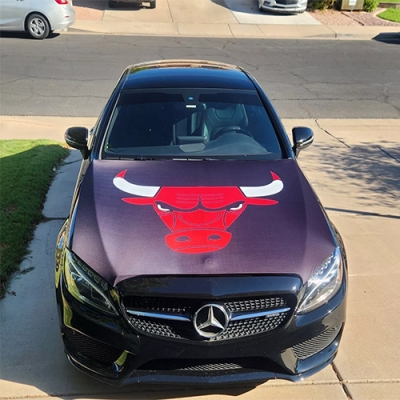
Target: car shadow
{"points": [[102, 5], [25, 35], [248, 7], [94, 4], [388, 37]]}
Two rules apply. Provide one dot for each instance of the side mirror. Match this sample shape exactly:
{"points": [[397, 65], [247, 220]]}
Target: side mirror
{"points": [[302, 138], [76, 137]]}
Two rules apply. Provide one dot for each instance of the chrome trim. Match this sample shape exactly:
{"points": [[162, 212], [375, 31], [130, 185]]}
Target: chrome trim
{"points": [[160, 315], [113, 370], [237, 316], [307, 142], [211, 321]]}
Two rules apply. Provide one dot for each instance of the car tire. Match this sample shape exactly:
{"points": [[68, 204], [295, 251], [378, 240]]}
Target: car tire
{"points": [[112, 3], [153, 4], [37, 26]]}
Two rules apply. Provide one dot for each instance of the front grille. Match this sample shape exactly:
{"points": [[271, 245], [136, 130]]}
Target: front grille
{"points": [[161, 304], [252, 326], [185, 330], [249, 363], [158, 327], [165, 304], [262, 303], [287, 2], [90, 347], [185, 305], [316, 344]]}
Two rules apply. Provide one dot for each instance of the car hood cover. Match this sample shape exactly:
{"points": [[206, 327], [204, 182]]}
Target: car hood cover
{"points": [[143, 218]]}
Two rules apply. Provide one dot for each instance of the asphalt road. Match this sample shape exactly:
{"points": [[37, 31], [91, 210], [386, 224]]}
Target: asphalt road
{"points": [[73, 75]]}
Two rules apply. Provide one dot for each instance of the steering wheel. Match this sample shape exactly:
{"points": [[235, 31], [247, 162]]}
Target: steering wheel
{"points": [[236, 129]]}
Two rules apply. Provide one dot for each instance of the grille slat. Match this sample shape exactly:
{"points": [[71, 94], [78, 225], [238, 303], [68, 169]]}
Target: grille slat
{"points": [[194, 365], [179, 306], [252, 326], [91, 348], [316, 344], [182, 306], [255, 304]]}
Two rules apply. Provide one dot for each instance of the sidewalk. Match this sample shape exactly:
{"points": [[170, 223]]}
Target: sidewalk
{"points": [[354, 165], [213, 18]]}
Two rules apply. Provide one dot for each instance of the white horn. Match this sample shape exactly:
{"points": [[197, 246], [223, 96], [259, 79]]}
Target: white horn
{"points": [[144, 191], [261, 191]]}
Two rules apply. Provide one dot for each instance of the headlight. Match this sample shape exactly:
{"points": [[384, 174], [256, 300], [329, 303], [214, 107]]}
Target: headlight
{"points": [[87, 286], [324, 284]]}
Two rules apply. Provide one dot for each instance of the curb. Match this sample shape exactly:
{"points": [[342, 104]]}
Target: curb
{"points": [[323, 32], [384, 4]]}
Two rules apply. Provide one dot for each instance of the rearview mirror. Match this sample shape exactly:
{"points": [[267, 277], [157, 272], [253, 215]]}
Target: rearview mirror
{"points": [[76, 137], [302, 138]]}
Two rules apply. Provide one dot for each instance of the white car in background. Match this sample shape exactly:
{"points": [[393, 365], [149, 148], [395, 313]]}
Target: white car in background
{"points": [[37, 17], [283, 6]]}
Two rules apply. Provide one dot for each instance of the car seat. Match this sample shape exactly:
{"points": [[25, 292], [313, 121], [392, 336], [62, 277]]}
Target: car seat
{"points": [[216, 119]]}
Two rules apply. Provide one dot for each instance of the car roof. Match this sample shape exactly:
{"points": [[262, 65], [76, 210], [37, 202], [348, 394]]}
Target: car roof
{"points": [[186, 74]]}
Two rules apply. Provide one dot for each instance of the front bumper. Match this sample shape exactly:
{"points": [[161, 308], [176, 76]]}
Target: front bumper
{"points": [[285, 6], [111, 350]]}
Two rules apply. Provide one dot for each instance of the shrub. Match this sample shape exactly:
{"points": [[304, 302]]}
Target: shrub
{"points": [[370, 5], [322, 4]]}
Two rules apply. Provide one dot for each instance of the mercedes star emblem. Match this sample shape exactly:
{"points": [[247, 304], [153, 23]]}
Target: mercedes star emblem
{"points": [[210, 320]]}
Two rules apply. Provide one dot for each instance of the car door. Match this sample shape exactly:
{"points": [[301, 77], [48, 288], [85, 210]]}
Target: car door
{"points": [[12, 13]]}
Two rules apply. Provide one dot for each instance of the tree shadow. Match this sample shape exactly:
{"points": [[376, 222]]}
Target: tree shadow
{"points": [[364, 178]]}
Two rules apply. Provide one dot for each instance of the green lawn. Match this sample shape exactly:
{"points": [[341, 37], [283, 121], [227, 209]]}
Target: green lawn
{"points": [[390, 1], [390, 14], [26, 171]]}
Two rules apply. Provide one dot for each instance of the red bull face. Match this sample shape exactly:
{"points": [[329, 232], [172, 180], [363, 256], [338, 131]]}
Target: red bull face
{"points": [[198, 217]]}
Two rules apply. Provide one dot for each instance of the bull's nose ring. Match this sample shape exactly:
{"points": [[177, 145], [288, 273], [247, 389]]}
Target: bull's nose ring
{"points": [[214, 238], [183, 238]]}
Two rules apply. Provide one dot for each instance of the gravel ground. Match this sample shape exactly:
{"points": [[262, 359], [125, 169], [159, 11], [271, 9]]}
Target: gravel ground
{"points": [[351, 18]]}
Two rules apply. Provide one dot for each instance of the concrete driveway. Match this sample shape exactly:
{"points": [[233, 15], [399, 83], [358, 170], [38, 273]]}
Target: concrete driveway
{"points": [[354, 165], [240, 18], [183, 11], [212, 18]]}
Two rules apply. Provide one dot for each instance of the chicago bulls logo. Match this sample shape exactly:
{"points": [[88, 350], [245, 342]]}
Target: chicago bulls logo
{"points": [[198, 217]]}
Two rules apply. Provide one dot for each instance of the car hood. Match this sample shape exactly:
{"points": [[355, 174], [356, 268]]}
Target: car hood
{"points": [[143, 218]]}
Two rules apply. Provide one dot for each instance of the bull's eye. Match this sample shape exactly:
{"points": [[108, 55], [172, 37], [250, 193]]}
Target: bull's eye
{"points": [[161, 208], [237, 208]]}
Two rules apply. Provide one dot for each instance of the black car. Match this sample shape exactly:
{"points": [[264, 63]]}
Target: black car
{"points": [[115, 3], [195, 250]]}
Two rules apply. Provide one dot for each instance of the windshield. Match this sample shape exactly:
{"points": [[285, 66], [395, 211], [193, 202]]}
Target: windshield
{"points": [[191, 124]]}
